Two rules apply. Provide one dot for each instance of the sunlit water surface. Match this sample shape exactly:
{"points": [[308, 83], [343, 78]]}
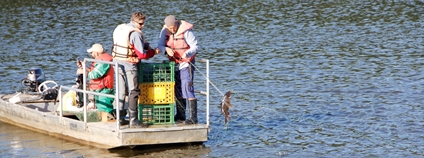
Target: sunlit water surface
{"points": [[311, 78]]}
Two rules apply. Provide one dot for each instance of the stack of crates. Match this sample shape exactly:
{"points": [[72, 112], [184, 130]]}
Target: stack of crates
{"points": [[156, 102]]}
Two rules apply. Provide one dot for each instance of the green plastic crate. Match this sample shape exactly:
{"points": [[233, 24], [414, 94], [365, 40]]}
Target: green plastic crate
{"points": [[157, 114], [156, 72]]}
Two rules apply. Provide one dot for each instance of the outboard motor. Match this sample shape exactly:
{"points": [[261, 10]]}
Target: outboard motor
{"points": [[33, 79]]}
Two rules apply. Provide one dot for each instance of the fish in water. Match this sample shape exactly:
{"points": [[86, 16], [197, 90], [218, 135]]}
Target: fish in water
{"points": [[226, 105]]}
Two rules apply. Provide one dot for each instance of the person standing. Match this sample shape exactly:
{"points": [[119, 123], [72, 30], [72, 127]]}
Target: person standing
{"points": [[101, 78], [178, 41], [129, 48]]}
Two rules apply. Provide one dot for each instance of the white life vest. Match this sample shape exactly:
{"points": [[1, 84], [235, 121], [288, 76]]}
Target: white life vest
{"points": [[122, 48]]}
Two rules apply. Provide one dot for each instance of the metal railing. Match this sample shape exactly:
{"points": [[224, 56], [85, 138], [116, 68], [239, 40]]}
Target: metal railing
{"points": [[207, 90], [85, 92], [116, 96]]}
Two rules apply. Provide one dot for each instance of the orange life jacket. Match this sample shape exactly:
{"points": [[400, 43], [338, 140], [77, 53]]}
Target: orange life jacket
{"points": [[178, 44], [107, 80]]}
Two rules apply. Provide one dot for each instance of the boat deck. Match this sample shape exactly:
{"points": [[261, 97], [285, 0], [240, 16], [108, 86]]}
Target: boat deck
{"points": [[41, 116]]}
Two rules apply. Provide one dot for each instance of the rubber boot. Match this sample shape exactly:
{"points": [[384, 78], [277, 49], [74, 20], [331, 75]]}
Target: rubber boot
{"points": [[134, 122], [122, 114], [181, 107], [193, 112]]}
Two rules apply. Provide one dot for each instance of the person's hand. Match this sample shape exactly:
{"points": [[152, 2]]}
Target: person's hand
{"points": [[79, 63], [169, 51], [184, 56], [91, 106], [157, 51]]}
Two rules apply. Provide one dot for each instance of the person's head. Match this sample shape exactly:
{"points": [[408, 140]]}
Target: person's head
{"points": [[138, 19], [171, 23], [96, 50]]}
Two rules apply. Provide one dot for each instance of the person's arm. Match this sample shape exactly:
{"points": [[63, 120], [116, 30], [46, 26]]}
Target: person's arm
{"points": [[98, 71], [80, 68], [192, 42], [161, 42], [137, 40]]}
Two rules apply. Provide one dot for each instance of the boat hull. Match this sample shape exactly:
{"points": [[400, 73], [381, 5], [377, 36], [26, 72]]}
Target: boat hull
{"points": [[38, 117]]}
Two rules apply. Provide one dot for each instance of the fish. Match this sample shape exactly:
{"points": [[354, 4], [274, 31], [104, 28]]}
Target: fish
{"points": [[226, 105]]}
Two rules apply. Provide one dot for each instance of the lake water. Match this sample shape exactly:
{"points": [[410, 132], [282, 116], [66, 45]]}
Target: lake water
{"points": [[311, 78]]}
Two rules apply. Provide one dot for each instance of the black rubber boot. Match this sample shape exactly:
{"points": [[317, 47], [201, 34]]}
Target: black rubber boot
{"points": [[134, 122], [122, 114], [181, 107], [193, 112]]}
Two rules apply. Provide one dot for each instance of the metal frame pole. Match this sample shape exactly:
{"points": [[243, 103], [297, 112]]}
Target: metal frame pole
{"points": [[207, 92], [84, 80], [117, 99], [61, 107]]}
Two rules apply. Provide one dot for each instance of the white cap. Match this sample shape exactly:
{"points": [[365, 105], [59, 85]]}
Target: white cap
{"points": [[96, 48]]}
